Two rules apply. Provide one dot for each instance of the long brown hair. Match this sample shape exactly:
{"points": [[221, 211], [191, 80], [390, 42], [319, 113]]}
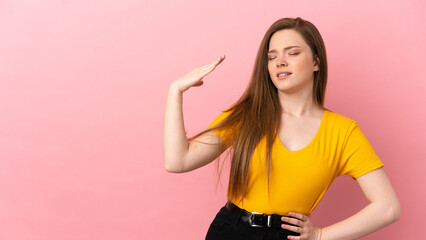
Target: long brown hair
{"points": [[256, 115]]}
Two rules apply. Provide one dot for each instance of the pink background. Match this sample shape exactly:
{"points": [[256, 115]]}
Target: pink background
{"points": [[83, 86]]}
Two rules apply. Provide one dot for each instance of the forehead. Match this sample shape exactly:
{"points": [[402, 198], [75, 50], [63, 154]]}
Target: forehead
{"points": [[284, 38]]}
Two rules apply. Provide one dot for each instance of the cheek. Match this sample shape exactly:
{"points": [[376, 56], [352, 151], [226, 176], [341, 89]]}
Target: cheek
{"points": [[305, 65]]}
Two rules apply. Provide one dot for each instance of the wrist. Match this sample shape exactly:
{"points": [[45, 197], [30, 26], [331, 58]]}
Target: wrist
{"points": [[175, 90]]}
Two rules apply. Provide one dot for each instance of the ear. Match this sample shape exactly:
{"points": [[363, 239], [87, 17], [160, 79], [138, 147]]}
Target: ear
{"points": [[316, 64]]}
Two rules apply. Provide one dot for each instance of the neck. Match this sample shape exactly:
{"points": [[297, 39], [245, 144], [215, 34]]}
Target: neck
{"points": [[299, 103]]}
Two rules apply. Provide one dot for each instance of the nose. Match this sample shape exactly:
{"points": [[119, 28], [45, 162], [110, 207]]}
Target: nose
{"points": [[281, 61]]}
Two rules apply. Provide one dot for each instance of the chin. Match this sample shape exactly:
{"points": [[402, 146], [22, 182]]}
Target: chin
{"points": [[281, 85], [290, 86]]}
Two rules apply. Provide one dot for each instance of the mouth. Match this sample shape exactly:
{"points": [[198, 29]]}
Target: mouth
{"points": [[281, 75]]}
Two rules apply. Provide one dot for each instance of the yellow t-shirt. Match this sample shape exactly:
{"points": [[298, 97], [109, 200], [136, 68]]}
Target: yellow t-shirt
{"points": [[299, 179]]}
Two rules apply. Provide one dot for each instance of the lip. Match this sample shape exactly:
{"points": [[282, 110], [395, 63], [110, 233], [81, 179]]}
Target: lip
{"points": [[282, 77]]}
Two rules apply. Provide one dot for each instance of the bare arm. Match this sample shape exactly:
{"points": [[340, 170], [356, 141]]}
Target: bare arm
{"points": [[383, 210], [179, 156]]}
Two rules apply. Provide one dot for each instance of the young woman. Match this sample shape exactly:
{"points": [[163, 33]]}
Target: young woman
{"points": [[287, 148]]}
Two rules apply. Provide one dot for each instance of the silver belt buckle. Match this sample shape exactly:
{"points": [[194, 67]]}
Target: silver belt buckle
{"points": [[259, 214]]}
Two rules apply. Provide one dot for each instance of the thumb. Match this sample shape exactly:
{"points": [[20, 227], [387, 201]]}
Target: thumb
{"points": [[199, 83]]}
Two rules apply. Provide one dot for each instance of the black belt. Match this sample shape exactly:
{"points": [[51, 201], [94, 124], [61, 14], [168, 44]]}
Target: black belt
{"points": [[255, 219]]}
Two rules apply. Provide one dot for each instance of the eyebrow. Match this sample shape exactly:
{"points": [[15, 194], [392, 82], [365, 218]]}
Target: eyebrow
{"points": [[287, 48]]}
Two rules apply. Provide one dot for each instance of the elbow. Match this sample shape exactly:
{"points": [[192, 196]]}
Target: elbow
{"points": [[393, 212], [170, 167], [396, 213]]}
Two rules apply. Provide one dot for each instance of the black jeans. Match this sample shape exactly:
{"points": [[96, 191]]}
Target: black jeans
{"points": [[228, 225]]}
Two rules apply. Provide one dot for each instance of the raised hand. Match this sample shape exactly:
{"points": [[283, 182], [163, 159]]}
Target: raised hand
{"points": [[194, 77]]}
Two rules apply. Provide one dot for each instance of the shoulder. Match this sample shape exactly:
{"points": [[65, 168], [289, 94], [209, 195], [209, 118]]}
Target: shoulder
{"points": [[340, 124], [338, 120], [221, 117]]}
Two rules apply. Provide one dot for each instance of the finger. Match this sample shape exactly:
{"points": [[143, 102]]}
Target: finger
{"points": [[218, 60], [300, 216], [208, 70], [294, 237], [221, 59], [214, 62], [291, 220], [209, 67], [292, 228]]}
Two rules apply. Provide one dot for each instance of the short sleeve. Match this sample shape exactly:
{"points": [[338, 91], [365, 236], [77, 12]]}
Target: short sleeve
{"points": [[224, 134], [358, 156]]}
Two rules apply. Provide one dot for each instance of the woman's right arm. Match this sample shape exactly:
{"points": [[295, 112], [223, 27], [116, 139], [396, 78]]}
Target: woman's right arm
{"points": [[179, 156]]}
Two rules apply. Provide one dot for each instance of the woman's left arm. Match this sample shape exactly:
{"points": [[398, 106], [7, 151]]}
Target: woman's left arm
{"points": [[383, 210]]}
